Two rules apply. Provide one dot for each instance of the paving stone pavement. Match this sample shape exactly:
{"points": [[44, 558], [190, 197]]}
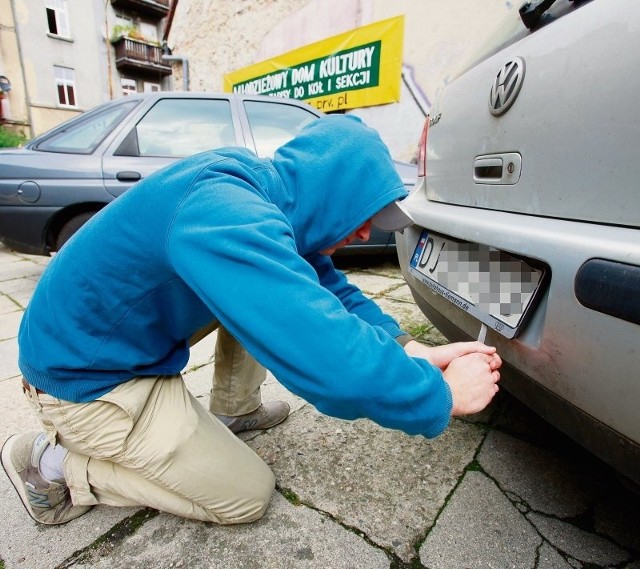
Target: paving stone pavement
{"points": [[498, 490]]}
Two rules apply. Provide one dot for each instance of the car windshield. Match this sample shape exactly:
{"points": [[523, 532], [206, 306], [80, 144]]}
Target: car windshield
{"points": [[83, 136]]}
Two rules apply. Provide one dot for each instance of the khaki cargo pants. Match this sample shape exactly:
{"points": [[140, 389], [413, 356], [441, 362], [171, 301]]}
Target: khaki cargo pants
{"points": [[149, 442]]}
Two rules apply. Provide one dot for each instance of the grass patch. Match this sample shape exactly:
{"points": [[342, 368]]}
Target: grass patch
{"points": [[426, 333], [10, 139], [474, 466]]}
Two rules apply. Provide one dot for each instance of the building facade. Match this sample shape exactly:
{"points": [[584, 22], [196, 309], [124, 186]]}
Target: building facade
{"points": [[136, 32], [63, 57], [221, 36]]}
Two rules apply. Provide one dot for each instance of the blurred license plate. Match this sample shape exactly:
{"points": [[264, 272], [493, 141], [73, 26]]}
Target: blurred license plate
{"points": [[495, 287]]}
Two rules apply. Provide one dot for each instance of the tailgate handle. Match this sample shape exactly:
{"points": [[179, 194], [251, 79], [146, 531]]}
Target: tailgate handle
{"points": [[500, 169], [127, 176]]}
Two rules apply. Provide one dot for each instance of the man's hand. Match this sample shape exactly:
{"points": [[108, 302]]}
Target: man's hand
{"points": [[442, 356], [469, 368], [472, 379]]}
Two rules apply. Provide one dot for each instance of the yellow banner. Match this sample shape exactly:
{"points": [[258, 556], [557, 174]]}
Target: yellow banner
{"points": [[355, 69]]}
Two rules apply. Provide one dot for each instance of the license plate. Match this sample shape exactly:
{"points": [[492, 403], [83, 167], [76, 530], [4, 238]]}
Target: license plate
{"points": [[495, 287]]}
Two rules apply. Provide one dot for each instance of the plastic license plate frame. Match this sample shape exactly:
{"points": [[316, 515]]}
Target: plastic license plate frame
{"points": [[501, 293]]}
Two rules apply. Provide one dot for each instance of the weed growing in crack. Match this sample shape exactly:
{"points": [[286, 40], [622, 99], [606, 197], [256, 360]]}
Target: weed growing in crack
{"points": [[291, 496]]}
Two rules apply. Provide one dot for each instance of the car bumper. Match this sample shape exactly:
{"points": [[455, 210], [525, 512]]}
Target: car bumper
{"points": [[573, 365]]}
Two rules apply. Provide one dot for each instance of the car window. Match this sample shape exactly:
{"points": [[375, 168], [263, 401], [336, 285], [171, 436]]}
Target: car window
{"points": [[83, 136], [273, 124], [181, 127]]}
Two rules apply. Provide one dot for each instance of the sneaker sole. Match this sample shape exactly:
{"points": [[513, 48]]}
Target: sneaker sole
{"points": [[14, 477]]}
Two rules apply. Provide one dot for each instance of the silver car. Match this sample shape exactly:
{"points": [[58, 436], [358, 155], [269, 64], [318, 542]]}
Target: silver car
{"points": [[527, 214]]}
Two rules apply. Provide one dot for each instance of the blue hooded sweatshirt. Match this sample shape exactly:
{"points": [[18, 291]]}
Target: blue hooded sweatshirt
{"points": [[226, 236]]}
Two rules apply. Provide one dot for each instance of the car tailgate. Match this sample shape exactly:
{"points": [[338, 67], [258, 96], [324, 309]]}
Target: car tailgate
{"points": [[567, 147]]}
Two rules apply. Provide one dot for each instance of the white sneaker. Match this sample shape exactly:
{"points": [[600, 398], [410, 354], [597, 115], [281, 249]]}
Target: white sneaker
{"points": [[45, 501]]}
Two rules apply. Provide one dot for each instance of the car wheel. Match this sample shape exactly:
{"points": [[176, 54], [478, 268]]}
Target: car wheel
{"points": [[71, 226]]}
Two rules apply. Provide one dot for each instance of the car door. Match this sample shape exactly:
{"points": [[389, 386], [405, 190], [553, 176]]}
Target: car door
{"points": [[172, 128]]}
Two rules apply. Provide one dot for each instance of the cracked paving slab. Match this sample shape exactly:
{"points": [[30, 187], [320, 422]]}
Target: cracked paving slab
{"points": [[9, 305], [386, 484], [372, 284], [8, 358], [546, 481], [288, 536], [29, 545], [18, 268], [480, 528], [411, 320], [579, 544], [21, 418]]}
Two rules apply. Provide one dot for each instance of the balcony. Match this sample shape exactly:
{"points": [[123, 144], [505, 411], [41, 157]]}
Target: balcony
{"points": [[135, 56], [149, 8]]}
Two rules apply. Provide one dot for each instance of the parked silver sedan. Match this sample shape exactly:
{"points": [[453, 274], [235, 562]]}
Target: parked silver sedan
{"points": [[527, 214], [53, 185]]}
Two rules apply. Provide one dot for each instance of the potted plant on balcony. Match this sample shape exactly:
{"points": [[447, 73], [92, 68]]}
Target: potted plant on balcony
{"points": [[131, 32]]}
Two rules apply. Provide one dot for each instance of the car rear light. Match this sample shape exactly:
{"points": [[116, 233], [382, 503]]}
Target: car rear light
{"points": [[422, 150]]}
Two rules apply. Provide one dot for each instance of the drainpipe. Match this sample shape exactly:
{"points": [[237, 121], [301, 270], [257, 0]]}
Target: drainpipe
{"points": [[185, 68], [25, 85], [166, 52], [169, 21], [109, 48]]}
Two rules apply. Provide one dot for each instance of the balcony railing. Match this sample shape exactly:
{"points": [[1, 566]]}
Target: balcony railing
{"points": [[138, 56], [149, 8]]}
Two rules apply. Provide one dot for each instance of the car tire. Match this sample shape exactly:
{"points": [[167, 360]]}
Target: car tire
{"points": [[71, 226]]}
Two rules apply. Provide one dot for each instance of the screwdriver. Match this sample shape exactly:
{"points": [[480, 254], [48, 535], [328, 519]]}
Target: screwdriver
{"points": [[483, 333]]}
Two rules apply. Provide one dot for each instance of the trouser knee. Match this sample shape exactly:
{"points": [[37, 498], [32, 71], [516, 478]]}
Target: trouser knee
{"points": [[254, 502]]}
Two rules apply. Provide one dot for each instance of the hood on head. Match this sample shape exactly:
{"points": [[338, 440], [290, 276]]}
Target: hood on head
{"points": [[337, 174]]}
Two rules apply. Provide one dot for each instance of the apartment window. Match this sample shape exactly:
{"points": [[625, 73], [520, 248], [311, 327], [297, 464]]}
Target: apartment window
{"points": [[66, 86], [57, 17], [124, 21], [149, 31], [151, 87], [129, 86]]}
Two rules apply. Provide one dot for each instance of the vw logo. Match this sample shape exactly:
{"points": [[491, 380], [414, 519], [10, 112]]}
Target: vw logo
{"points": [[506, 86]]}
